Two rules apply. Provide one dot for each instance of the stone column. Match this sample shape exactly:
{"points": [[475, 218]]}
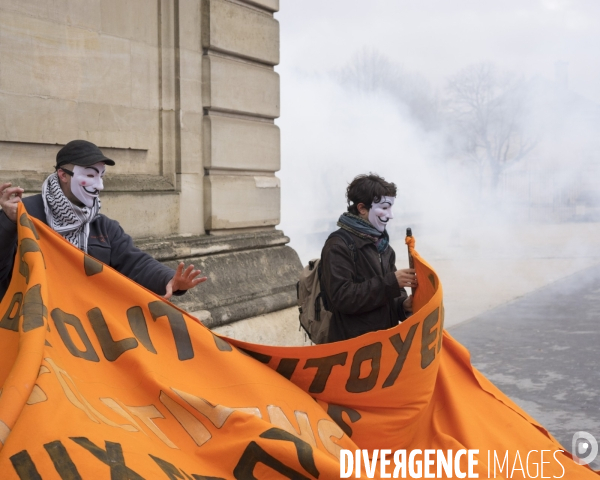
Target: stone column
{"points": [[240, 94], [255, 272]]}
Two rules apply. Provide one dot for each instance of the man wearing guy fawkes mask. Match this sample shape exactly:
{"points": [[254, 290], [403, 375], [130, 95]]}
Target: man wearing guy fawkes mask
{"points": [[70, 205], [362, 287]]}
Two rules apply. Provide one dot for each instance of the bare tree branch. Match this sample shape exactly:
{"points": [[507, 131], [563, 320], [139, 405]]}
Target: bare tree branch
{"points": [[486, 113]]}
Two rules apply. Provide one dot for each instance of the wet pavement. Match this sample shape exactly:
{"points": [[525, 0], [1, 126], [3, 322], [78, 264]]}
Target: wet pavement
{"points": [[543, 351]]}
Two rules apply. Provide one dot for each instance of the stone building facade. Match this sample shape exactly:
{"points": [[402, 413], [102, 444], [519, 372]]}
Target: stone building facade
{"points": [[182, 94]]}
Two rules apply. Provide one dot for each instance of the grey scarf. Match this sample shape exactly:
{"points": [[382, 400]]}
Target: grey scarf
{"points": [[65, 218], [363, 229]]}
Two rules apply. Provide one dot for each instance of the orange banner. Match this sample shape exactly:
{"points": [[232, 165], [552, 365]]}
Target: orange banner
{"points": [[102, 379]]}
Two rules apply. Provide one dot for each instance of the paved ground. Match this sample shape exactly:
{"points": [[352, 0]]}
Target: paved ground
{"points": [[543, 351]]}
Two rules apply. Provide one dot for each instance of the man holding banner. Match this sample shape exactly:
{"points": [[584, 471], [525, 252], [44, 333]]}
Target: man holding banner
{"points": [[70, 204], [363, 289]]}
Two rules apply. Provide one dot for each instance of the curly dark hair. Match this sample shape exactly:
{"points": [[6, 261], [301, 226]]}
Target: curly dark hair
{"points": [[367, 189]]}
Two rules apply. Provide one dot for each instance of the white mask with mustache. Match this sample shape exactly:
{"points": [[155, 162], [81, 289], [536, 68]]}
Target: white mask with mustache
{"points": [[381, 212], [87, 182]]}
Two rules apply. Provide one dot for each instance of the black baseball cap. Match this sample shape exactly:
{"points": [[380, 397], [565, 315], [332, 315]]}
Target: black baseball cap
{"points": [[81, 152]]}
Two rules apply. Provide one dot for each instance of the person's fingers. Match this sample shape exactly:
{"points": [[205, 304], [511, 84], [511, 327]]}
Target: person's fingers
{"points": [[4, 186], [7, 193], [10, 207], [179, 270], [198, 280], [188, 271], [18, 191], [407, 273], [194, 274]]}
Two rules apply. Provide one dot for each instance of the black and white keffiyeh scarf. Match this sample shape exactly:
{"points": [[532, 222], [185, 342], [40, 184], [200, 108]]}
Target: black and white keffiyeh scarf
{"points": [[65, 218]]}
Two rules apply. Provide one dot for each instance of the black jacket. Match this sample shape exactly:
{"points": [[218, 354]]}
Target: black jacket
{"points": [[107, 242], [363, 295]]}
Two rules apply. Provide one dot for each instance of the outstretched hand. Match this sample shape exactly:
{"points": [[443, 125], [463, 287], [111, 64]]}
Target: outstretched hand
{"points": [[9, 200], [183, 280]]}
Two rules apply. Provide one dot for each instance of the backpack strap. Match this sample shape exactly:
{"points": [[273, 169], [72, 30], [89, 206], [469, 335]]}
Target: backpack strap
{"points": [[349, 241]]}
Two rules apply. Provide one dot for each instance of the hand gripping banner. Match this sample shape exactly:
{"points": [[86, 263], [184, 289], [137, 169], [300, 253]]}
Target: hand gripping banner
{"points": [[102, 379]]}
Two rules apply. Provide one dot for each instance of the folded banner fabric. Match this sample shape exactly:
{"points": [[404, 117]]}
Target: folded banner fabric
{"points": [[102, 379]]}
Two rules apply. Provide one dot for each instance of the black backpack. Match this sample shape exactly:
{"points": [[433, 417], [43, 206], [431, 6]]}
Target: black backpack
{"points": [[315, 313]]}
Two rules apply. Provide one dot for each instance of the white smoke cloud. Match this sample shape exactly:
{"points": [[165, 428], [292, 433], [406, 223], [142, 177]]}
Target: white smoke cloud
{"points": [[331, 134], [488, 248]]}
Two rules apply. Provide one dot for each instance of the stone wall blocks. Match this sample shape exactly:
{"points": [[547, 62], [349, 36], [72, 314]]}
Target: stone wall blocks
{"points": [[129, 127], [239, 87], [63, 61], [236, 201], [190, 21], [49, 66], [129, 208], [191, 143], [236, 144], [131, 19], [144, 76], [95, 70], [190, 64], [75, 12], [40, 157], [106, 72], [241, 31], [191, 95], [50, 121], [191, 204], [70, 12], [33, 8], [190, 80]]}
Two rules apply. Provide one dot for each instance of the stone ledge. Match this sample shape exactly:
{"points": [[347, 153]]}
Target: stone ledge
{"points": [[248, 308], [243, 284], [269, 5], [32, 182], [204, 245]]}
